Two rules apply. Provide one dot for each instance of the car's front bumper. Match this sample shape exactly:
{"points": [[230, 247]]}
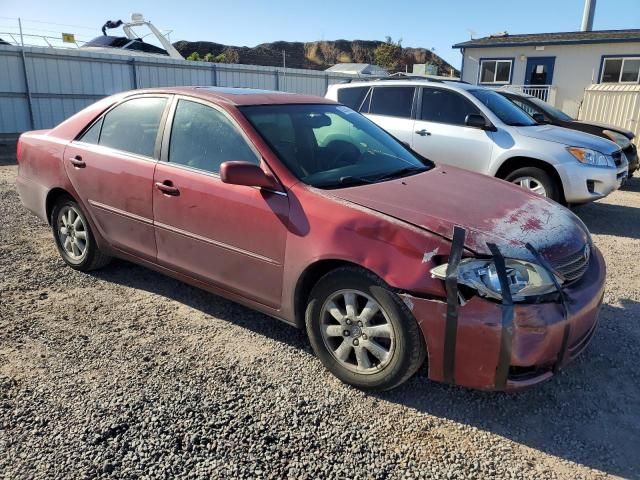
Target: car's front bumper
{"points": [[537, 333], [631, 152], [586, 183]]}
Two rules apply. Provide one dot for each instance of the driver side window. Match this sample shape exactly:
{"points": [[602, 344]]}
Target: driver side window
{"points": [[203, 138]]}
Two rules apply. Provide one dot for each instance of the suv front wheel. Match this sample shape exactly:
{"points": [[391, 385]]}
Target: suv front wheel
{"points": [[536, 180]]}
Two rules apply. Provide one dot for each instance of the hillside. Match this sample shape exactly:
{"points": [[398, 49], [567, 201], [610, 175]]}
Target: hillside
{"points": [[311, 55]]}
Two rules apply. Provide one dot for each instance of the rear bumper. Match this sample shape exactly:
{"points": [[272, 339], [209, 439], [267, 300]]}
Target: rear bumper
{"points": [[33, 196], [537, 334], [585, 183], [632, 157]]}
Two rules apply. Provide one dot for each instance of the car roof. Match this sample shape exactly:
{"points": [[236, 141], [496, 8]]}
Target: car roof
{"points": [[240, 96], [412, 83]]}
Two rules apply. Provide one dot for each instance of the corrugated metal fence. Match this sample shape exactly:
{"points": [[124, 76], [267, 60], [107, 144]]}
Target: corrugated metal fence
{"points": [[40, 87], [614, 104]]}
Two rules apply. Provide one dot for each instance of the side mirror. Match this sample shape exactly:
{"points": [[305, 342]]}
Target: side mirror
{"points": [[539, 117], [246, 173], [476, 120]]}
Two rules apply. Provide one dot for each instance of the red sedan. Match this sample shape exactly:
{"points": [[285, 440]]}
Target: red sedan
{"points": [[305, 210]]}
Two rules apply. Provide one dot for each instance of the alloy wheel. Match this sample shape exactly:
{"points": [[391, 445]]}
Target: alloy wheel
{"points": [[531, 183], [357, 332], [72, 233]]}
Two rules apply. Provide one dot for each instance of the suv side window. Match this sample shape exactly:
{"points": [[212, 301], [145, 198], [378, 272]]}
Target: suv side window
{"points": [[392, 101], [203, 138], [445, 106], [133, 125], [353, 97]]}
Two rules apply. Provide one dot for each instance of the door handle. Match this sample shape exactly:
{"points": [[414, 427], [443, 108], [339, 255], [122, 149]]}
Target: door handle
{"points": [[423, 132], [167, 188], [77, 162]]}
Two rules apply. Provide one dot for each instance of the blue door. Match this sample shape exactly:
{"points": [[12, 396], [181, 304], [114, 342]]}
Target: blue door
{"points": [[539, 71]]}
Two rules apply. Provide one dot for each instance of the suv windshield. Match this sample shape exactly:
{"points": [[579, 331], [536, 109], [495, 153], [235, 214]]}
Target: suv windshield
{"points": [[503, 108], [331, 146], [549, 110]]}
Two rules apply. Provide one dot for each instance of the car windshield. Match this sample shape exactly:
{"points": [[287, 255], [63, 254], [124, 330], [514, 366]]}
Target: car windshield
{"points": [[502, 108], [332, 146], [549, 110]]}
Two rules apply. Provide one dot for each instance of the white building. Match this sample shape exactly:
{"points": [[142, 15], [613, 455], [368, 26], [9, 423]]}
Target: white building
{"points": [[556, 67]]}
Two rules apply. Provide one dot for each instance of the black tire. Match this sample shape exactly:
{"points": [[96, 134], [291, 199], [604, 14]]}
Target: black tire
{"points": [[92, 258], [543, 178], [409, 351]]}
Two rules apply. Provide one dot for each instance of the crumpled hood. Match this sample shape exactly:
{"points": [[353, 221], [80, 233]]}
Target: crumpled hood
{"points": [[490, 210], [607, 126], [570, 138]]}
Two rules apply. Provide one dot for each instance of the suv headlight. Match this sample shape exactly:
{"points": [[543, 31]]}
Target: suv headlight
{"points": [[622, 140], [591, 157], [525, 279]]}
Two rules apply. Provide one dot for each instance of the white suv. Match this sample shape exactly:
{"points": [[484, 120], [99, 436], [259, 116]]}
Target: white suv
{"points": [[476, 128]]}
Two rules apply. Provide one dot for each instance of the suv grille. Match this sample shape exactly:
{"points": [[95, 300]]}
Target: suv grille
{"points": [[573, 266], [617, 157]]}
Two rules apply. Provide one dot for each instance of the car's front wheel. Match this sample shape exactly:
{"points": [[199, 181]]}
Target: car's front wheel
{"points": [[536, 180], [361, 331], [73, 236]]}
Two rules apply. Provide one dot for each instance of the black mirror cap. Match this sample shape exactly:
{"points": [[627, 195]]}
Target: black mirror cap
{"points": [[539, 117], [476, 120]]}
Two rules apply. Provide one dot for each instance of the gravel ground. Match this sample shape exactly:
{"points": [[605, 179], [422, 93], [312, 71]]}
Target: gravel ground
{"points": [[126, 373]]}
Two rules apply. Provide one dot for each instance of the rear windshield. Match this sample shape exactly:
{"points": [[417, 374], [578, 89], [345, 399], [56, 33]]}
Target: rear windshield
{"points": [[502, 108]]}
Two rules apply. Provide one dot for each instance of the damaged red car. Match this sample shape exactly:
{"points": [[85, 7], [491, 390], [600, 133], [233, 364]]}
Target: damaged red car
{"points": [[303, 209]]}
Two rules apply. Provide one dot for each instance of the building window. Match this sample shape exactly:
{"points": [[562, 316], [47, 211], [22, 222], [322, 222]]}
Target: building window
{"points": [[621, 70], [495, 71]]}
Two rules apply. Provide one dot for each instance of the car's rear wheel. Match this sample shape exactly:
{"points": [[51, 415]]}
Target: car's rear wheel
{"points": [[535, 180], [362, 331], [73, 236]]}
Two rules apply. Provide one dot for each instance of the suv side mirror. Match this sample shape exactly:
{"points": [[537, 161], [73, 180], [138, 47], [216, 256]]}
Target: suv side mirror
{"points": [[246, 173], [539, 117], [476, 120]]}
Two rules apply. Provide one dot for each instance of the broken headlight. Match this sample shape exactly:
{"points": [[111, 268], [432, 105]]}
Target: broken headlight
{"points": [[525, 279]]}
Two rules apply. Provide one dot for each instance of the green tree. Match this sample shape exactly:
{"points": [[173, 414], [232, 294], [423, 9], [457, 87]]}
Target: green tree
{"points": [[194, 57], [389, 54], [220, 58]]}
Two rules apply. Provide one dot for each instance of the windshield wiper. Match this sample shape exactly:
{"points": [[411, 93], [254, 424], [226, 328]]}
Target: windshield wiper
{"points": [[403, 172], [347, 181]]}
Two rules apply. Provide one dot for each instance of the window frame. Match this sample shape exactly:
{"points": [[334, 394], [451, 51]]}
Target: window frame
{"points": [[419, 106], [366, 100], [166, 135], [623, 58], [369, 98], [101, 117], [509, 60]]}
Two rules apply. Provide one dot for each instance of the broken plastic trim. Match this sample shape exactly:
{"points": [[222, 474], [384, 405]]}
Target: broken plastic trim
{"points": [[563, 300], [451, 284], [504, 357]]}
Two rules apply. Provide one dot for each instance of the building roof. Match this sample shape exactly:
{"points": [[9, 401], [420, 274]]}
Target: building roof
{"points": [[558, 38], [357, 69]]}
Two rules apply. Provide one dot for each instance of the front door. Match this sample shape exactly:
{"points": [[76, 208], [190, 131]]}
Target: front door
{"points": [[539, 71], [111, 167], [231, 236], [441, 135]]}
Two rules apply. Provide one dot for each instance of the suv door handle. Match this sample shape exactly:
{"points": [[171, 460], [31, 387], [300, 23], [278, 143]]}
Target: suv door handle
{"points": [[77, 162], [167, 188], [423, 132]]}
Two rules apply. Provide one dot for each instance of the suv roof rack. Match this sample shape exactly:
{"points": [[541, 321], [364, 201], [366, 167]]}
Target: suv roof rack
{"points": [[402, 76]]}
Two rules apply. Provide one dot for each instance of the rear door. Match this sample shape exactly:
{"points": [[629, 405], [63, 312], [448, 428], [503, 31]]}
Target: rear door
{"points": [[111, 167], [441, 135], [392, 108], [231, 236]]}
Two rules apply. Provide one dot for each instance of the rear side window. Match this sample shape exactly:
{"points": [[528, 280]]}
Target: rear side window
{"points": [[203, 138], [133, 125], [444, 106], [392, 101], [92, 135], [352, 97]]}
